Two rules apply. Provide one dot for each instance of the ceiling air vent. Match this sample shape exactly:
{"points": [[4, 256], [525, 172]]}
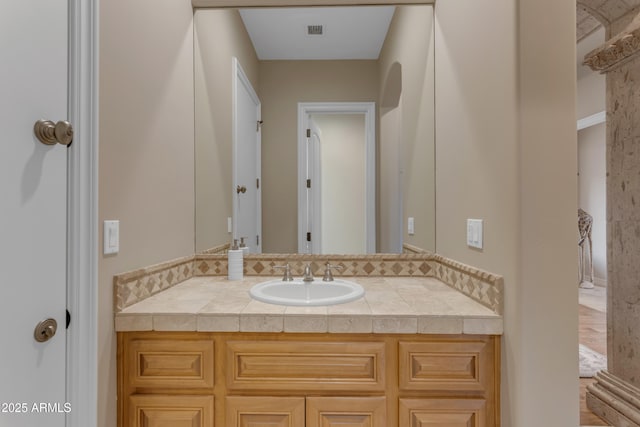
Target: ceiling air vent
{"points": [[314, 30]]}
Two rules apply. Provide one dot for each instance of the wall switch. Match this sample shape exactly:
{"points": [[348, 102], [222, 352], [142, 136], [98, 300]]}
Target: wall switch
{"points": [[410, 226], [111, 237], [474, 233]]}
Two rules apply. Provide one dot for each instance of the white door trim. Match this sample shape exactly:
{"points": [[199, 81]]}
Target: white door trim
{"points": [[366, 108], [239, 77], [82, 214]]}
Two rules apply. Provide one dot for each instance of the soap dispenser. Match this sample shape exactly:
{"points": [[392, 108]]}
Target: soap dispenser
{"points": [[243, 246], [235, 262]]}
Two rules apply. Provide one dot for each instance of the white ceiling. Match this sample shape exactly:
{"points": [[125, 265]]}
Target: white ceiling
{"points": [[349, 32]]}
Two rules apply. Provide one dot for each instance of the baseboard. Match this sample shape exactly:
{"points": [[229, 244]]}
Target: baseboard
{"points": [[600, 282], [614, 400]]}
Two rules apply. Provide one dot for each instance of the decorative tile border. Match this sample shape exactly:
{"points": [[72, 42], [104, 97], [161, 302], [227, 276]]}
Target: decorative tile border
{"points": [[482, 286], [485, 288], [220, 249], [411, 249], [134, 286], [405, 265]]}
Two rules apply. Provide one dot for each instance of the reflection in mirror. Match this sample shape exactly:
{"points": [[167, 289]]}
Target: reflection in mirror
{"points": [[396, 73]]}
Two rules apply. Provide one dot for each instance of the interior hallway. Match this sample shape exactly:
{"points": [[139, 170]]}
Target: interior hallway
{"points": [[593, 334]]}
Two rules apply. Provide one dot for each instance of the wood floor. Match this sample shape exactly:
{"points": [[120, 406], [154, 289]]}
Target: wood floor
{"points": [[593, 334]]}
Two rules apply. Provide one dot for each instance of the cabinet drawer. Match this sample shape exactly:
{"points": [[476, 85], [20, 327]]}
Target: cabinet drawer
{"points": [[346, 412], [174, 411], [442, 412], [305, 366], [171, 363], [446, 365], [264, 411]]}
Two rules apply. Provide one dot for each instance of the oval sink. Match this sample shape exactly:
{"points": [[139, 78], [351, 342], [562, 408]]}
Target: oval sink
{"points": [[306, 294]]}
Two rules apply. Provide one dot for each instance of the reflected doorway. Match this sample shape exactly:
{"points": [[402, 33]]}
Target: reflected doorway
{"points": [[336, 172]]}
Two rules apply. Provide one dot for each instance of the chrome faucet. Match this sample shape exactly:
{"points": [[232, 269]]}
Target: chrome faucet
{"points": [[288, 277], [308, 276], [328, 277]]}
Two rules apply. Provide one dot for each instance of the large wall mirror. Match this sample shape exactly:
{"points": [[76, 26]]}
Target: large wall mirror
{"points": [[352, 173]]}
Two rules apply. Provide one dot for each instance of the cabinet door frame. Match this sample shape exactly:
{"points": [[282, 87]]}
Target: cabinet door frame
{"points": [[292, 408], [412, 411], [321, 409], [145, 403]]}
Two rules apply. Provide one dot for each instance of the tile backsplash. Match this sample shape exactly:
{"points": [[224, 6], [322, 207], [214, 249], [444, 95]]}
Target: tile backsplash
{"points": [[484, 287]]}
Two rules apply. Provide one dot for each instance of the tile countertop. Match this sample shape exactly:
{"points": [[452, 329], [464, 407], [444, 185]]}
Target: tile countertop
{"points": [[404, 305]]}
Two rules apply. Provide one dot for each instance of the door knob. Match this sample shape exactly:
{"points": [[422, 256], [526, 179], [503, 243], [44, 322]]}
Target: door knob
{"points": [[45, 330], [241, 189], [50, 133]]}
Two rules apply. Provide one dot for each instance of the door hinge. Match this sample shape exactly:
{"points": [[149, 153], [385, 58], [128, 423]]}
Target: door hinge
{"points": [[308, 183], [257, 182], [308, 237], [258, 125], [68, 319], [308, 133], [258, 240]]}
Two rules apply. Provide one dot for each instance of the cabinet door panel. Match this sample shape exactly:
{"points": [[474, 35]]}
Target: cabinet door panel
{"points": [[442, 413], [346, 412], [171, 363], [446, 365], [258, 411], [170, 411], [306, 366]]}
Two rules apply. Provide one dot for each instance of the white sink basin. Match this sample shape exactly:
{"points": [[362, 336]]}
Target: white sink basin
{"points": [[306, 294]]}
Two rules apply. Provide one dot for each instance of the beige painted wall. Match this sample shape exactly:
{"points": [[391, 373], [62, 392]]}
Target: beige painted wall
{"points": [[219, 35], [282, 85], [506, 153], [592, 191], [146, 152], [410, 43], [506, 106], [591, 88]]}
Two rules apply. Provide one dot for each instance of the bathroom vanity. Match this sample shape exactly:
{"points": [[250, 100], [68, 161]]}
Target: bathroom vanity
{"points": [[412, 352], [266, 379]]}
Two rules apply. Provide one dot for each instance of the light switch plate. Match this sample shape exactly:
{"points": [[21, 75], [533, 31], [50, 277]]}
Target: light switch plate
{"points": [[474, 233], [410, 226], [111, 237]]}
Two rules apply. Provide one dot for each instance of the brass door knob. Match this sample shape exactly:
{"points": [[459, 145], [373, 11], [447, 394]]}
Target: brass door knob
{"points": [[50, 133], [45, 330], [241, 189]]}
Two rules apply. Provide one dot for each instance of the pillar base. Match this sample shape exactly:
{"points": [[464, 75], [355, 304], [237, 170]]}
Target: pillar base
{"points": [[614, 400]]}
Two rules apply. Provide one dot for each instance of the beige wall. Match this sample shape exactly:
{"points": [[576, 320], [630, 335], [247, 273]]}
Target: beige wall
{"points": [[591, 86], [282, 85], [506, 153], [505, 126], [410, 43], [146, 152], [219, 35]]}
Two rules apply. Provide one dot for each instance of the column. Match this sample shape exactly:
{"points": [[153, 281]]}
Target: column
{"points": [[615, 396]]}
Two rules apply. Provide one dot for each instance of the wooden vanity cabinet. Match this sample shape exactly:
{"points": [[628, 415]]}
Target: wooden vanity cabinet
{"points": [[200, 379]]}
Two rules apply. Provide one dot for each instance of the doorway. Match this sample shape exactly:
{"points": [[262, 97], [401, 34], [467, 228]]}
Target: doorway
{"points": [[336, 178]]}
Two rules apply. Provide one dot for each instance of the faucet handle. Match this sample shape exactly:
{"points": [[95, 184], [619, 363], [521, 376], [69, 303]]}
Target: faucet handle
{"points": [[288, 277], [308, 274], [328, 276]]}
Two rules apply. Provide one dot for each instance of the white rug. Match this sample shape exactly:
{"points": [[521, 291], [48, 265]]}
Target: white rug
{"points": [[591, 362]]}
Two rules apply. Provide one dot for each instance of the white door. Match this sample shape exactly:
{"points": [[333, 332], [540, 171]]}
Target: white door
{"points": [[246, 163], [339, 181], [33, 189]]}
